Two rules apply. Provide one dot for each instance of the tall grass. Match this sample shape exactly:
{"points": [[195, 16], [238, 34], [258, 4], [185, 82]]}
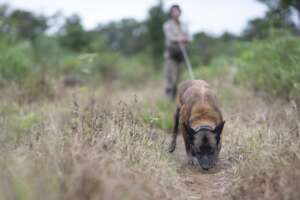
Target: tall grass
{"points": [[91, 149]]}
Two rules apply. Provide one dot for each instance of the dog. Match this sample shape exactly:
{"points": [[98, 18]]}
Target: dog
{"points": [[200, 121]]}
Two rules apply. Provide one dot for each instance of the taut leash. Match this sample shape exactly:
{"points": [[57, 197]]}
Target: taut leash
{"points": [[187, 60]]}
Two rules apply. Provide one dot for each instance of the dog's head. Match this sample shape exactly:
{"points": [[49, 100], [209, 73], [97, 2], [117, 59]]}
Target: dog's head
{"points": [[206, 144]]}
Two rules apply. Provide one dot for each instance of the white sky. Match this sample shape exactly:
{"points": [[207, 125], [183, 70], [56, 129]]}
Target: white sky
{"points": [[213, 16]]}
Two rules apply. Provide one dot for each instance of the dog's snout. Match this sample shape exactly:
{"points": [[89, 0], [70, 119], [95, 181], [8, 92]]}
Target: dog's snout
{"points": [[205, 140]]}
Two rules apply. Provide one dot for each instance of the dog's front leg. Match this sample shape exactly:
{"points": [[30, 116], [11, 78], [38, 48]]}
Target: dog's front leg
{"points": [[188, 147], [172, 145]]}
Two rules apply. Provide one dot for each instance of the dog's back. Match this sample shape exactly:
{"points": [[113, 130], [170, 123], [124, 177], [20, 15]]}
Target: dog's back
{"points": [[198, 104]]}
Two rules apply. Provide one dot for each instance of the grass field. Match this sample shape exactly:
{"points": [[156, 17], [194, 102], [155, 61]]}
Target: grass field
{"points": [[110, 143]]}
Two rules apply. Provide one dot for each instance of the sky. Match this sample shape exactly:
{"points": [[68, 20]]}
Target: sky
{"points": [[212, 16]]}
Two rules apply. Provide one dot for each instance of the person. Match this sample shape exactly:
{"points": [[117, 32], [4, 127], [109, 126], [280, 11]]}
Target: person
{"points": [[176, 32]]}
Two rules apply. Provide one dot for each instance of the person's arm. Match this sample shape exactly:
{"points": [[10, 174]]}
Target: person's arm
{"points": [[187, 34]]}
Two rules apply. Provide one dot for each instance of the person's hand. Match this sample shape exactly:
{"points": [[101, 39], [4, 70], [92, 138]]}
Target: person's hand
{"points": [[182, 39]]}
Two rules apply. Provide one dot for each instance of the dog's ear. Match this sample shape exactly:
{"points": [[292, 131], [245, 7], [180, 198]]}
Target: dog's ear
{"points": [[218, 130], [190, 131]]}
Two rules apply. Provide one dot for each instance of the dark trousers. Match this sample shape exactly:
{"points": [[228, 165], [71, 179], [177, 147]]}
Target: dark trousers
{"points": [[173, 71]]}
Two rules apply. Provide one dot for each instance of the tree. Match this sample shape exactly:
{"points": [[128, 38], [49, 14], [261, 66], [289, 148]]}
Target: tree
{"points": [[275, 4], [283, 5], [27, 25], [291, 3], [157, 17], [126, 36], [3, 20], [228, 37], [72, 35], [256, 29], [22, 24], [275, 21]]}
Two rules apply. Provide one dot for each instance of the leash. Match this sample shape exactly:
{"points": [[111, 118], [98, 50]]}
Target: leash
{"points": [[187, 60]]}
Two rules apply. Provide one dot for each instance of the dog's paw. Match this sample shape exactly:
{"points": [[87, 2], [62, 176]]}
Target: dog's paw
{"points": [[172, 147]]}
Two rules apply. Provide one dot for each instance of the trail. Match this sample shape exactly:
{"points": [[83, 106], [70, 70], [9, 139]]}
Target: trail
{"points": [[201, 184], [215, 183]]}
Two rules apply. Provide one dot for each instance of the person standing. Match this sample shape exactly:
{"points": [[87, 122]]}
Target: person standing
{"points": [[176, 32]]}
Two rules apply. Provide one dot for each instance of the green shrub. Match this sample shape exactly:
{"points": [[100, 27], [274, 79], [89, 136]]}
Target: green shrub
{"points": [[71, 64], [48, 52], [16, 122], [160, 115], [108, 66], [272, 65], [218, 67], [91, 66], [105, 64], [135, 69], [15, 62]]}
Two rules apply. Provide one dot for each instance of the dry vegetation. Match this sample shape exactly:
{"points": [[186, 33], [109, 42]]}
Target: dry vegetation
{"points": [[95, 144]]}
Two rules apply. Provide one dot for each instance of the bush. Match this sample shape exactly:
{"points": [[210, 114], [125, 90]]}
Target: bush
{"points": [[108, 66], [15, 62], [16, 122], [273, 66], [36, 88], [48, 52], [160, 114]]}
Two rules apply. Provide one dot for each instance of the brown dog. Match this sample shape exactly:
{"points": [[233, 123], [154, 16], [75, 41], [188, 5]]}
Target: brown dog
{"points": [[200, 121]]}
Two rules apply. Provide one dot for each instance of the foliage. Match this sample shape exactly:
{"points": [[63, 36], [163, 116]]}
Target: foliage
{"points": [[22, 24], [72, 34], [283, 6], [160, 115], [108, 66], [48, 53], [273, 66], [275, 21], [205, 47], [17, 122], [15, 61], [126, 36], [157, 17]]}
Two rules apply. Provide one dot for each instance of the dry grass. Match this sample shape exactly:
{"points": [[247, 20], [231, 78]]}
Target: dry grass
{"points": [[90, 144], [262, 142], [87, 148]]}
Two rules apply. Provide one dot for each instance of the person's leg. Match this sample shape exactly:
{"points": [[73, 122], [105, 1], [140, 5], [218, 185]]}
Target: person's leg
{"points": [[176, 78], [171, 76]]}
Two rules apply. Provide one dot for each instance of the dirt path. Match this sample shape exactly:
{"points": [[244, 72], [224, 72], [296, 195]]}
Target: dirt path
{"points": [[201, 184], [212, 184]]}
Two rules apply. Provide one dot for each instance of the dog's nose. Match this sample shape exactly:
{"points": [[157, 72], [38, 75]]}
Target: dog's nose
{"points": [[206, 167]]}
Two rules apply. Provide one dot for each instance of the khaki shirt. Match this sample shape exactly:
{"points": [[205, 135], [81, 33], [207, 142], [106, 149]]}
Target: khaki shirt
{"points": [[173, 30]]}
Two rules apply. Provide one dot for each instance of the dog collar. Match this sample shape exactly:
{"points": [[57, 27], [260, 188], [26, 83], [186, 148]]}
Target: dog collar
{"points": [[203, 128]]}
